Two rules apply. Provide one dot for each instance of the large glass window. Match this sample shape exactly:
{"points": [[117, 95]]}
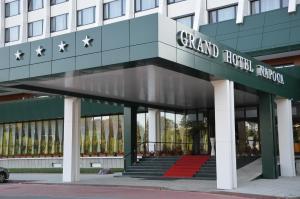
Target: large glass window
{"points": [[141, 133], [35, 28], [54, 2], [35, 4], [258, 6], [59, 23], [86, 16], [114, 9], [141, 5], [222, 14], [12, 34], [1, 139], [12, 8], [187, 20]]}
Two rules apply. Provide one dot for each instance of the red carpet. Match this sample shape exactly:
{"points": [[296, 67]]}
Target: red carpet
{"points": [[186, 166]]}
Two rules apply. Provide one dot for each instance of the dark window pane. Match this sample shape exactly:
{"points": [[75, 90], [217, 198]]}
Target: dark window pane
{"points": [[255, 7]]}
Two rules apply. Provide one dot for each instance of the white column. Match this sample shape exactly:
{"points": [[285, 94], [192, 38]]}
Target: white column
{"points": [[201, 16], [130, 9], [71, 158], [2, 23], [242, 10], [292, 6], [225, 134], [153, 134], [163, 7], [99, 12], [72, 15], [285, 137], [47, 18], [24, 25]]}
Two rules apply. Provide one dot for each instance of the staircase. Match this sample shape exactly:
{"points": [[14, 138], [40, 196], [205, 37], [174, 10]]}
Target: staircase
{"points": [[151, 166], [207, 170], [187, 166]]}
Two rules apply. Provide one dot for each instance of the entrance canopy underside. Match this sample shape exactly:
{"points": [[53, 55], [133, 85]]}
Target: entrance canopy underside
{"points": [[149, 85]]}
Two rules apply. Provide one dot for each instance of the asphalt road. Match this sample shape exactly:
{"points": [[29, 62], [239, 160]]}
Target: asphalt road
{"points": [[56, 191]]}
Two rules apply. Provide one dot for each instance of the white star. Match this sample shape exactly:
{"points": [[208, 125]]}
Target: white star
{"points": [[39, 51], [62, 46], [18, 55], [86, 41]]}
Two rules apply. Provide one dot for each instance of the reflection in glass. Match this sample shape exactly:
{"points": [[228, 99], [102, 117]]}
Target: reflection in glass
{"points": [[141, 129], [88, 136], [31, 140], [105, 122], [115, 128], [24, 138], [60, 126], [38, 141], [5, 144], [1, 139], [97, 135], [121, 134], [170, 131], [15, 134], [180, 134], [82, 135]]}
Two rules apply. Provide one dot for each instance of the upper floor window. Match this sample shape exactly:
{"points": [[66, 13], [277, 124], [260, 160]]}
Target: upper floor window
{"points": [[12, 8], [54, 2], [12, 34], [187, 20], [114, 9], [35, 28], [59, 22], [174, 1], [141, 5], [86, 16], [222, 14], [35, 4], [258, 6]]}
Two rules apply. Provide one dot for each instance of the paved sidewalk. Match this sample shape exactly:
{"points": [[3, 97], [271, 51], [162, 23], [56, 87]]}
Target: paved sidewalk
{"points": [[282, 187]]}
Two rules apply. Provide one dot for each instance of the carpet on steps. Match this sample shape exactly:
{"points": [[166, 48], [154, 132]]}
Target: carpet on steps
{"points": [[187, 166]]}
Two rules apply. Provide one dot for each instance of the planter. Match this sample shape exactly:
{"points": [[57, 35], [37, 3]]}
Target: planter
{"points": [[297, 147]]}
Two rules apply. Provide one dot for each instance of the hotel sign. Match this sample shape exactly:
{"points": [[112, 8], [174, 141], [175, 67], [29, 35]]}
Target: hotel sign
{"points": [[211, 49]]}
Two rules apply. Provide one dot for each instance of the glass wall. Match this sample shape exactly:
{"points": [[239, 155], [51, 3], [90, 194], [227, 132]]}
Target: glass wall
{"points": [[101, 135]]}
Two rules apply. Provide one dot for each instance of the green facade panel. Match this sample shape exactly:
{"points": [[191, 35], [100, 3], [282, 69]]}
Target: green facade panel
{"points": [[63, 65], [23, 48], [4, 54], [144, 51], [70, 48], [95, 43], [20, 72], [115, 35], [50, 108], [88, 61], [40, 69], [115, 56], [272, 32], [46, 56]]}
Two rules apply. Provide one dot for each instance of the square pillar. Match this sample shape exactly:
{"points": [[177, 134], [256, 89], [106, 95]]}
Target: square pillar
{"points": [[225, 134], [71, 157], [154, 126], [268, 136], [130, 139], [285, 137]]}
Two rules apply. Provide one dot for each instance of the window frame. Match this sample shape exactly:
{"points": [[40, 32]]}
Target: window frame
{"points": [[29, 10], [174, 1], [192, 15], [5, 32], [259, 3], [5, 9], [141, 10], [28, 29], [52, 4], [94, 16], [67, 18], [108, 4], [217, 13]]}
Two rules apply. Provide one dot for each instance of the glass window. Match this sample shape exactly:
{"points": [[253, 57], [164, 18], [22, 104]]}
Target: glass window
{"points": [[222, 14], [12, 8], [59, 22], [60, 129], [54, 2], [258, 6], [35, 4], [82, 135], [97, 135], [105, 134], [121, 135], [31, 140], [35, 28], [12, 34], [141, 5], [88, 136], [188, 20], [141, 132], [86, 16], [267, 5], [255, 7], [174, 1], [114, 9], [1, 139], [15, 141], [24, 138]]}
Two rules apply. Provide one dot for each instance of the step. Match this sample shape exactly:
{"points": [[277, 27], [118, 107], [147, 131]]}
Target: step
{"points": [[143, 173]]}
